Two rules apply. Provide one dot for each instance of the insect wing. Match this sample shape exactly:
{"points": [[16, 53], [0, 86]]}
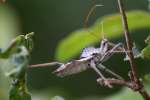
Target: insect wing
{"points": [[73, 67]]}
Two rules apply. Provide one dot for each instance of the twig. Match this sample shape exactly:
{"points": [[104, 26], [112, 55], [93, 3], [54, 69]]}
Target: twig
{"points": [[114, 82], [138, 85], [128, 40]]}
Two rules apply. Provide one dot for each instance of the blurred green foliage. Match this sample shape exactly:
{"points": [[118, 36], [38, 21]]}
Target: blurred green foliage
{"points": [[145, 53], [124, 94], [147, 77], [18, 90], [80, 39], [9, 26], [25, 40], [18, 60]]}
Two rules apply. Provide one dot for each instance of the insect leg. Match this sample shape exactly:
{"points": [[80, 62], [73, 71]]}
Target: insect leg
{"points": [[102, 67], [93, 66], [120, 49], [109, 53]]}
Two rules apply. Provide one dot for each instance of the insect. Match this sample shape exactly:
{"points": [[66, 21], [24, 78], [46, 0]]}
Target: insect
{"points": [[91, 58]]}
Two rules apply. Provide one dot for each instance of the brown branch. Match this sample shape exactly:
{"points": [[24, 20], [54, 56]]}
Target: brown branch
{"points": [[114, 82], [111, 82], [138, 85], [144, 93], [128, 40]]}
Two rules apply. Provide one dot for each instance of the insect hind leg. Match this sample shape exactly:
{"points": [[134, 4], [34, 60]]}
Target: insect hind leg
{"points": [[107, 70], [94, 67]]}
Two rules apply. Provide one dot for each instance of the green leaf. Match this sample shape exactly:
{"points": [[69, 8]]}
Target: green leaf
{"points": [[145, 53], [17, 57], [19, 92], [148, 40], [28, 41], [6, 53], [19, 65], [147, 77], [25, 40], [72, 45]]}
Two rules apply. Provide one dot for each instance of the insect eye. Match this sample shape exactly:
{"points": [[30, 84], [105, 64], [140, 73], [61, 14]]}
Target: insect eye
{"points": [[104, 42]]}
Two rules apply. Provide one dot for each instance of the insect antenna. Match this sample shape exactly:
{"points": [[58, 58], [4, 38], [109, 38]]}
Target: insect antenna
{"points": [[88, 16], [43, 65]]}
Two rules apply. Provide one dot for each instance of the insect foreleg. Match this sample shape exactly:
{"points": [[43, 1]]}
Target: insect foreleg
{"points": [[93, 66], [109, 53]]}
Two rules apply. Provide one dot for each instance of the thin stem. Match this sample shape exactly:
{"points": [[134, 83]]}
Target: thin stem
{"points": [[138, 85], [144, 94], [128, 40], [115, 82]]}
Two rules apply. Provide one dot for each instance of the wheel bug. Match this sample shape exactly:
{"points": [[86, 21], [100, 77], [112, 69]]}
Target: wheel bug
{"points": [[90, 58]]}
